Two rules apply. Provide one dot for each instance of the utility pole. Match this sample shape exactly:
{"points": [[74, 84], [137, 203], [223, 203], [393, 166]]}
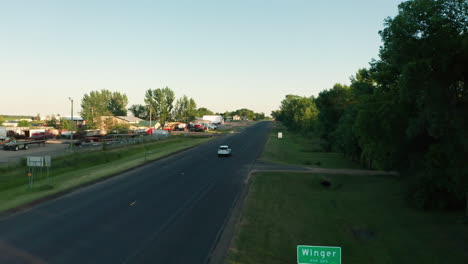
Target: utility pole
{"points": [[151, 128], [71, 124]]}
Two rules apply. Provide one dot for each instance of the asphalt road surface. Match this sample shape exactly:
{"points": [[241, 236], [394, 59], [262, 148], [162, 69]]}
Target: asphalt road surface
{"points": [[169, 211]]}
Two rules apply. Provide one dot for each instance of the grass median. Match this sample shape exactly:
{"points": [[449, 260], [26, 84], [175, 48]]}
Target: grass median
{"points": [[365, 215], [76, 169]]}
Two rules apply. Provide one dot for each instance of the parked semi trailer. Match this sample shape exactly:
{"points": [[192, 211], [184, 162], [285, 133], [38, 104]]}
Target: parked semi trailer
{"points": [[21, 144]]}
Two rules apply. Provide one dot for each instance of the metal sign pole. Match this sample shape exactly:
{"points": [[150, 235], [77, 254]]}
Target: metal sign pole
{"points": [[33, 162], [47, 161]]}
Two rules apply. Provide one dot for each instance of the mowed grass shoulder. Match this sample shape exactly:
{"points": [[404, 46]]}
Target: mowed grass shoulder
{"points": [[73, 170], [365, 215], [302, 150]]}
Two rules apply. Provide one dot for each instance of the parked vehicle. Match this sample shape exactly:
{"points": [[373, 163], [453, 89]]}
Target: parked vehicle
{"points": [[182, 127], [4, 140], [141, 132], [87, 142], [215, 119], [224, 151], [41, 135], [23, 144], [199, 128]]}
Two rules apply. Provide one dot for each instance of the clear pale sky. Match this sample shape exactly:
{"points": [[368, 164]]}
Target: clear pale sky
{"points": [[225, 54]]}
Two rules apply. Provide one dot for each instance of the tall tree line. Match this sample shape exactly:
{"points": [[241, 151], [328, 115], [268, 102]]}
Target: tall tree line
{"points": [[161, 104], [409, 110], [245, 113]]}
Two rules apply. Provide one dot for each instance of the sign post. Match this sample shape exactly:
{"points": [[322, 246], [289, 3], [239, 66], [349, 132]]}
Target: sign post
{"points": [[280, 134], [318, 254], [32, 163], [47, 163]]}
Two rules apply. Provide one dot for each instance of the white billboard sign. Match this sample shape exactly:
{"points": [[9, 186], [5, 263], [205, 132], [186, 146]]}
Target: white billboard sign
{"points": [[35, 161]]}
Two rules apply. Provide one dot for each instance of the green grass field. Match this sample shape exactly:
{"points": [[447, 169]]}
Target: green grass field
{"points": [[365, 215], [302, 150], [73, 170]]}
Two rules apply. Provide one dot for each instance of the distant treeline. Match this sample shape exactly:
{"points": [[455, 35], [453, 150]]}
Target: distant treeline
{"points": [[159, 104], [409, 110]]}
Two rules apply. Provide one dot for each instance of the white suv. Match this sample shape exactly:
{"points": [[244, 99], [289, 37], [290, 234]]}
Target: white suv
{"points": [[224, 150]]}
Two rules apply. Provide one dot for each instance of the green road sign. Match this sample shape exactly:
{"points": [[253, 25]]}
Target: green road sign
{"points": [[317, 254]]}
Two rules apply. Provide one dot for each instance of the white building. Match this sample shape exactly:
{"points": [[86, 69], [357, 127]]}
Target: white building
{"points": [[215, 119]]}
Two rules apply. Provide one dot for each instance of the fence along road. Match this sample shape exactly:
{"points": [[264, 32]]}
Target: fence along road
{"points": [[169, 211]]}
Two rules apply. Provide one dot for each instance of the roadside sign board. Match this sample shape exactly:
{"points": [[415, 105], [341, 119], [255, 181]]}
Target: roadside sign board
{"points": [[318, 254], [280, 134], [35, 161]]}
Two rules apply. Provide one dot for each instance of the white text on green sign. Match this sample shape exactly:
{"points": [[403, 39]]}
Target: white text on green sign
{"points": [[318, 254]]}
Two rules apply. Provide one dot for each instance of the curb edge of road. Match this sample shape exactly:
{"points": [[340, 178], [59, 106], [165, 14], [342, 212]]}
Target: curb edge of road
{"points": [[227, 232], [27, 206]]}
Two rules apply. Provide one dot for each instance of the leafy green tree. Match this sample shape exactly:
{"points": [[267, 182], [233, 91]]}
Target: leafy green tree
{"points": [[1, 120], [331, 105], [423, 65], [276, 114], [246, 113], [345, 136], [53, 122], [66, 124], [161, 103], [203, 111], [118, 104], [259, 116], [102, 103], [185, 109], [140, 111], [409, 110], [24, 123], [298, 113]]}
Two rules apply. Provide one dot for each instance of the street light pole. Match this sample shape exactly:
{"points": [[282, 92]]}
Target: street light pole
{"points": [[71, 124]]}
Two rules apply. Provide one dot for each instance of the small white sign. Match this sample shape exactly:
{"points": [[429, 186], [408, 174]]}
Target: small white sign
{"points": [[280, 134], [35, 161]]}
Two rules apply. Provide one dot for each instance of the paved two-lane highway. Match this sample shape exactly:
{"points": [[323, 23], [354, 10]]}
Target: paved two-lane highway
{"points": [[169, 211]]}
